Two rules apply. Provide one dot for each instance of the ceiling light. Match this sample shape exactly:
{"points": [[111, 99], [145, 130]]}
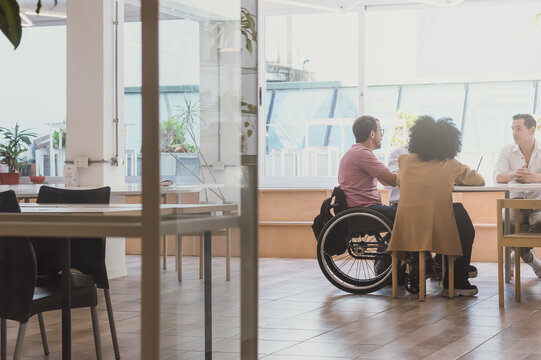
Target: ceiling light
{"points": [[442, 3], [25, 20], [45, 14], [301, 4]]}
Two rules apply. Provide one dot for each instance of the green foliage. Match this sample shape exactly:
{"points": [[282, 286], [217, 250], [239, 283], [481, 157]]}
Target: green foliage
{"points": [[249, 128], [15, 143], [56, 138], [10, 20], [399, 134], [248, 29], [538, 19], [188, 115], [173, 137], [247, 108]]}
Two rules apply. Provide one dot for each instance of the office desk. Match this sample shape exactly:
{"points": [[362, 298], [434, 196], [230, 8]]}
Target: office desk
{"points": [[83, 221], [506, 189], [26, 192], [29, 191]]}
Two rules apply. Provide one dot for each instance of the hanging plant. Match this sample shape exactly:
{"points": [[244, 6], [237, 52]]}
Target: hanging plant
{"points": [[10, 20], [248, 29]]}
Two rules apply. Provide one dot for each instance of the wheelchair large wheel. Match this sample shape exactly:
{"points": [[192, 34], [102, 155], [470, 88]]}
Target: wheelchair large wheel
{"points": [[352, 248]]}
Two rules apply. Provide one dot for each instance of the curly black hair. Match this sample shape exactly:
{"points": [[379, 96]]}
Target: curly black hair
{"points": [[431, 139]]}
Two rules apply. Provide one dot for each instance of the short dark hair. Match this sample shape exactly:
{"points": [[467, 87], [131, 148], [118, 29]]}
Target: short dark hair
{"points": [[529, 121], [431, 139], [362, 127]]}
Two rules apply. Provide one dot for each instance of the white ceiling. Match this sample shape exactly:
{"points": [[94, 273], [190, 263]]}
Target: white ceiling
{"points": [[215, 9]]}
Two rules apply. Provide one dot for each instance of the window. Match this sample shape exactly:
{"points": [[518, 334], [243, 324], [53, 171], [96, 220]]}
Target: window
{"points": [[33, 93]]}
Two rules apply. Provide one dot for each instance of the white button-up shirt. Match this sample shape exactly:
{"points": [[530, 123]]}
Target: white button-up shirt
{"points": [[394, 192], [511, 159]]}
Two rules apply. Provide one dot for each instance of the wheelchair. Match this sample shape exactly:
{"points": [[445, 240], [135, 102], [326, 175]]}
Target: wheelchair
{"points": [[352, 253]]}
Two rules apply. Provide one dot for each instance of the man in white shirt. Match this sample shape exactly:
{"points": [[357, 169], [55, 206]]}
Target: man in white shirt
{"points": [[521, 162], [394, 192]]}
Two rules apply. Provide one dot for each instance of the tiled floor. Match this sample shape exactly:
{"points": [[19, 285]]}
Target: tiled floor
{"points": [[302, 316]]}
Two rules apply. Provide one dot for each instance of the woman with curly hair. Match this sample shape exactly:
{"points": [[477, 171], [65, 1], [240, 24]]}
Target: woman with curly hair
{"points": [[426, 218]]}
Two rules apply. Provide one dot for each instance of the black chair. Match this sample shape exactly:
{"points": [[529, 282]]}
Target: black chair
{"points": [[20, 298], [87, 255]]}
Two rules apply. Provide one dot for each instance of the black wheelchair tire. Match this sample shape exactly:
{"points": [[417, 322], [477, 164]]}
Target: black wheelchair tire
{"points": [[333, 274]]}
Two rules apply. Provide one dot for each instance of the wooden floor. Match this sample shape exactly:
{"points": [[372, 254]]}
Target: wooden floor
{"points": [[302, 316]]}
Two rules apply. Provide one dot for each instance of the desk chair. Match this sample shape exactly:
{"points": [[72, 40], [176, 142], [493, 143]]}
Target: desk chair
{"points": [[178, 254], [517, 240], [87, 255], [20, 298]]}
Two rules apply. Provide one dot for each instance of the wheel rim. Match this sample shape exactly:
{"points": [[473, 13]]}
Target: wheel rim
{"points": [[359, 259]]}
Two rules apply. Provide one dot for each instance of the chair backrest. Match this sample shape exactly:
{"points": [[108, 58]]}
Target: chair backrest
{"points": [[51, 195], [17, 268], [87, 255]]}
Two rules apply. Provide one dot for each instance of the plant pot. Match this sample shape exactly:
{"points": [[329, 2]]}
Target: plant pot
{"points": [[37, 179], [10, 178]]}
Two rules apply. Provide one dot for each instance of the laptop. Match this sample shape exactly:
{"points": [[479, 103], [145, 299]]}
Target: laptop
{"points": [[479, 164]]}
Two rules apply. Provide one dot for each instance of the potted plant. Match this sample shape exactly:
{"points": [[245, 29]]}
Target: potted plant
{"points": [[16, 142], [174, 140]]}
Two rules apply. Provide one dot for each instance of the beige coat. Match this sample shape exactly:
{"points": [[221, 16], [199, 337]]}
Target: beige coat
{"points": [[425, 218]]}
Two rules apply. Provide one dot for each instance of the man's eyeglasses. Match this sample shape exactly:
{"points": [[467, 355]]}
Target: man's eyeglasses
{"points": [[382, 131]]}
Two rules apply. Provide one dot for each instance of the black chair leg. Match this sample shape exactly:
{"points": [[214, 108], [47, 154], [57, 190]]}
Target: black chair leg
{"points": [[112, 325], [43, 334], [4, 339], [20, 339], [96, 329]]}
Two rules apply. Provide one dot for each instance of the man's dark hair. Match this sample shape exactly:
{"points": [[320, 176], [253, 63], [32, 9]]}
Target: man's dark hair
{"points": [[362, 127], [431, 139], [529, 121]]}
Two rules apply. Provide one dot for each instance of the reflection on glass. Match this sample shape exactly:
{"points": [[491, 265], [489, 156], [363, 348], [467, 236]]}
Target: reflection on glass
{"points": [[490, 110], [436, 100], [291, 111]]}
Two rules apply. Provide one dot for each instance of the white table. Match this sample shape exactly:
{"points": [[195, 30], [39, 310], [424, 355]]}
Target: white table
{"points": [[505, 188], [118, 192], [91, 220], [31, 190]]}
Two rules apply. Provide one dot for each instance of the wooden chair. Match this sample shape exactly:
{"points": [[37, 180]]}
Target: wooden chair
{"points": [[517, 240], [422, 274]]}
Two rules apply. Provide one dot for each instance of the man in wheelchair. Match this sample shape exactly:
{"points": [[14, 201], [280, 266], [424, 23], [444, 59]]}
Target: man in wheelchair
{"points": [[360, 170], [352, 244]]}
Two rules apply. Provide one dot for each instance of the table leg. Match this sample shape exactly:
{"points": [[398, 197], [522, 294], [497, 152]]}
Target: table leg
{"points": [[208, 295], [66, 299], [507, 251]]}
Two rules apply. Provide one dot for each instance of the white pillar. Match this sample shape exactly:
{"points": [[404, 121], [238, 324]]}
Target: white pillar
{"points": [[91, 97], [362, 59], [91, 89], [219, 90]]}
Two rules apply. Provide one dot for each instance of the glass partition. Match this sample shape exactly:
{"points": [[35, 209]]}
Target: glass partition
{"points": [[200, 144]]}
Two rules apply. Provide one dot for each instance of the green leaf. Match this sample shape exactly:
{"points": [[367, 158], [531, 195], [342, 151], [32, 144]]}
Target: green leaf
{"points": [[246, 124], [250, 133], [10, 21], [538, 19], [249, 46]]}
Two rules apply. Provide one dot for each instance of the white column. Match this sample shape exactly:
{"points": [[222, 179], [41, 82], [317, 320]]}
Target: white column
{"points": [[362, 59], [219, 86], [91, 89], [91, 111]]}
